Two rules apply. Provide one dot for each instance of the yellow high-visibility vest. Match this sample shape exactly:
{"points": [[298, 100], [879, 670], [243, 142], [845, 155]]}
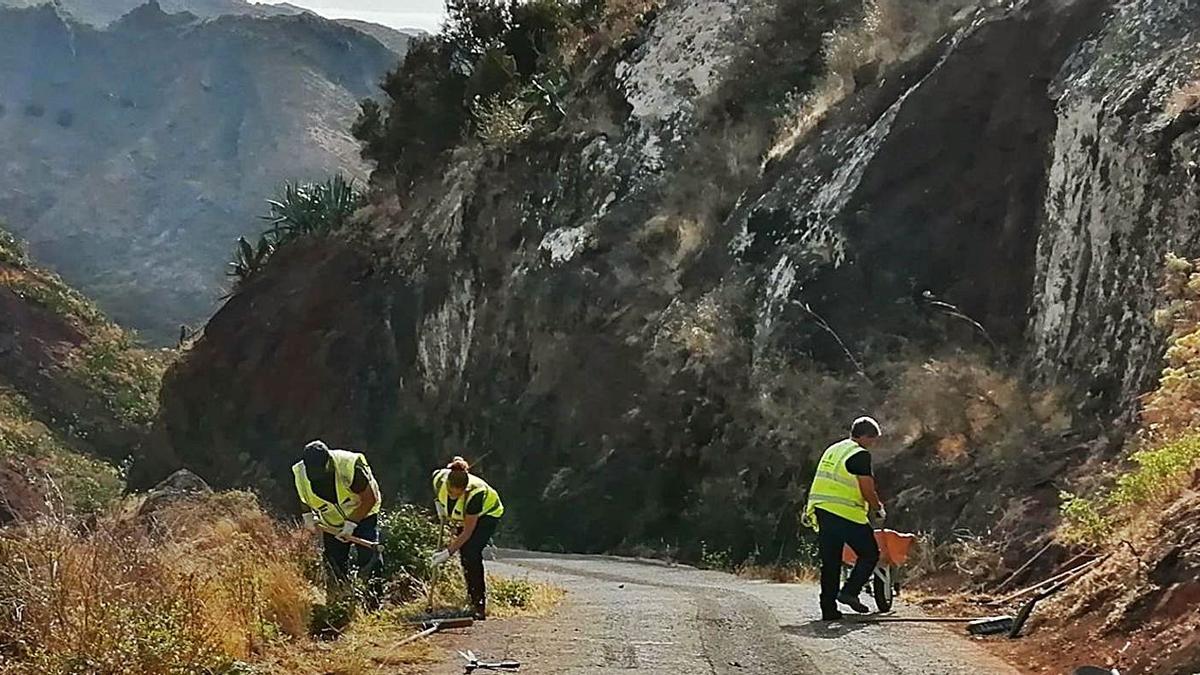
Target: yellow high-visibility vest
{"points": [[492, 506], [334, 515], [835, 489]]}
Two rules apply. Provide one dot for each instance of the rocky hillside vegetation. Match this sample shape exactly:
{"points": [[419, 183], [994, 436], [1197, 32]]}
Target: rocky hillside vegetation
{"points": [[132, 177], [177, 579], [642, 261], [76, 394]]}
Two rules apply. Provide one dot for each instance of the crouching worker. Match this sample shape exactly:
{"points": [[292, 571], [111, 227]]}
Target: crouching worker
{"points": [[342, 498], [474, 507]]}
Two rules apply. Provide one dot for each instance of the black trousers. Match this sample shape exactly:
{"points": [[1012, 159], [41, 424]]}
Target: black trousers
{"points": [[471, 555], [368, 562], [834, 533]]}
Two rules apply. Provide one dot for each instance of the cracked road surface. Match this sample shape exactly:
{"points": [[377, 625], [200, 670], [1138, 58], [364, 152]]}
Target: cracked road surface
{"points": [[624, 616]]}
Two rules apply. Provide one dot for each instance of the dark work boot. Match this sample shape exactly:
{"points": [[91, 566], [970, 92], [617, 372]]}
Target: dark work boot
{"points": [[853, 602], [831, 615], [480, 613]]}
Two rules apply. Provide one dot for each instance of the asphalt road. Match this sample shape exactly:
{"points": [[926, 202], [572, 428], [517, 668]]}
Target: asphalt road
{"points": [[624, 616]]}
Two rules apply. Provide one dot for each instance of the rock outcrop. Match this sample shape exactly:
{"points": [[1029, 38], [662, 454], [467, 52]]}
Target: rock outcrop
{"points": [[645, 335]]}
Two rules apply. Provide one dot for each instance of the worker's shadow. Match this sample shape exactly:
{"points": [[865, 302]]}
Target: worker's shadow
{"points": [[823, 630]]}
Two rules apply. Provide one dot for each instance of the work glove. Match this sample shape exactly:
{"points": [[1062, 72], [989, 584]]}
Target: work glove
{"points": [[348, 529], [310, 521], [439, 558], [876, 519]]}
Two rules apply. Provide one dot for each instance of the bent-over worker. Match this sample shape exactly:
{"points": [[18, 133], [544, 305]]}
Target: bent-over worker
{"points": [[841, 499], [474, 507], [342, 498]]}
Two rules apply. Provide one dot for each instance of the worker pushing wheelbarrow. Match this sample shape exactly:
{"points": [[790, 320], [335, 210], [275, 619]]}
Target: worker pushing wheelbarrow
{"points": [[893, 552]]}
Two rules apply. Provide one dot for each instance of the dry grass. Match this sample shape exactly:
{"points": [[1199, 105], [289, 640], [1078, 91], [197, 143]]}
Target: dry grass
{"points": [[210, 583], [1182, 100], [780, 574], [889, 31], [963, 406], [963, 555], [507, 596]]}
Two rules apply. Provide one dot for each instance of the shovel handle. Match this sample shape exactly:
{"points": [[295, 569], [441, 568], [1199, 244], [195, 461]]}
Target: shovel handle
{"points": [[352, 539]]}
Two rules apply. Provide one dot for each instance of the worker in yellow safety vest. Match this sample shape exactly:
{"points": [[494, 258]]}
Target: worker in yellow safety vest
{"points": [[474, 508], [341, 499], [841, 505]]}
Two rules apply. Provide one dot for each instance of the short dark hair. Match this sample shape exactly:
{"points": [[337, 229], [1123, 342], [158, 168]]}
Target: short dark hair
{"points": [[864, 427]]}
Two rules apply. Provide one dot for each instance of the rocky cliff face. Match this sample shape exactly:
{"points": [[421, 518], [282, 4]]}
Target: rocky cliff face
{"points": [[133, 176], [645, 334], [1120, 193]]}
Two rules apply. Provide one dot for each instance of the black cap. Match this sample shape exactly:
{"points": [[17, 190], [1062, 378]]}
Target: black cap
{"points": [[316, 457]]}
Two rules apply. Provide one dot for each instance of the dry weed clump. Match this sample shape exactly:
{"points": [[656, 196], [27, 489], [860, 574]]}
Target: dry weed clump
{"points": [[209, 583], [1182, 100], [961, 404], [962, 554]]}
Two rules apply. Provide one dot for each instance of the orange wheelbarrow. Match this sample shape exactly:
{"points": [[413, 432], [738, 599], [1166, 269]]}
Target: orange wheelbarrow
{"points": [[893, 552]]}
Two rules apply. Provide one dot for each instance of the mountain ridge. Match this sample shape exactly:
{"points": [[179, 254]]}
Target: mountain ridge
{"points": [[133, 177]]}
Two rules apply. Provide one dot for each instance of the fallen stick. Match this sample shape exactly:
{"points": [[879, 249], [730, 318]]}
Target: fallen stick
{"points": [[1022, 568]]}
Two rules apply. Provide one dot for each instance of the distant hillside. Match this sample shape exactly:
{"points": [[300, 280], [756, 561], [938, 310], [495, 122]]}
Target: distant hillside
{"points": [[100, 13], [391, 38], [132, 176]]}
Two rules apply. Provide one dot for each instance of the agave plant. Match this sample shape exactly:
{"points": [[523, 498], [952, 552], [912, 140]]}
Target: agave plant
{"points": [[249, 259], [312, 208], [303, 209]]}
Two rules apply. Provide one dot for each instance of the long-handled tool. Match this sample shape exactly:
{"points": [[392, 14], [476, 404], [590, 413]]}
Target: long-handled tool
{"points": [[433, 573], [351, 538], [431, 627]]}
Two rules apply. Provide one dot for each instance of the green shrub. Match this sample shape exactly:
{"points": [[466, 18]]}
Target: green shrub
{"points": [[497, 67], [1158, 474], [12, 252], [330, 620], [1084, 521], [511, 593], [410, 535]]}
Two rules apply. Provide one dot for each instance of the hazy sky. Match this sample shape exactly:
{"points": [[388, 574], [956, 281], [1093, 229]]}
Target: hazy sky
{"points": [[426, 14]]}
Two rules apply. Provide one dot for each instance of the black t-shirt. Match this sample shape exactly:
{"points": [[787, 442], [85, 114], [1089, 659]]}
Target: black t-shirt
{"points": [[324, 487], [859, 463], [474, 506]]}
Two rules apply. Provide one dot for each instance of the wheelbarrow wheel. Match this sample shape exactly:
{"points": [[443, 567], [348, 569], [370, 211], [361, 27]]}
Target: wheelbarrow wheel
{"points": [[882, 590]]}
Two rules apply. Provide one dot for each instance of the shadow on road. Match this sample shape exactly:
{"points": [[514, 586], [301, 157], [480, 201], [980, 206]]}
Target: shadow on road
{"points": [[823, 630]]}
